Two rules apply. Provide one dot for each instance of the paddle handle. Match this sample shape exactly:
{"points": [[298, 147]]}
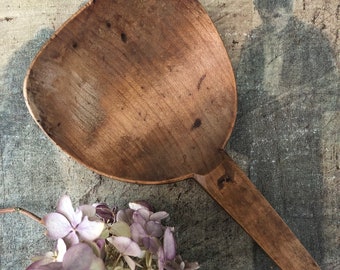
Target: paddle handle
{"points": [[233, 190]]}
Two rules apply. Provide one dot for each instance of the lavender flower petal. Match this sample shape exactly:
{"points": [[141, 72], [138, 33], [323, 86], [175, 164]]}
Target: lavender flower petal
{"points": [[169, 244], [125, 246], [71, 239], [48, 261], [136, 205], [152, 244], [60, 250], [161, 258], [64, 206], [137, 232], [141, 216], [81, 257], [57, 225], [154, 229], [125, 216], [100, 250], [158, 216], [90, 230]]}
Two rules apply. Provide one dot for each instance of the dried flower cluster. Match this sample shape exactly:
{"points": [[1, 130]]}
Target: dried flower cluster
{"points": [[98, 237]]}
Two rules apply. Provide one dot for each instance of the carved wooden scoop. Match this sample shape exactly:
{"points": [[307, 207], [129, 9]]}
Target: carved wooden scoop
{"points": [[143, 91]]}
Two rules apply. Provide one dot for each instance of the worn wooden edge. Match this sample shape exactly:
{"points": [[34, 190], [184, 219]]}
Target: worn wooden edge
{"points": [[126, 180], [55, 34]]}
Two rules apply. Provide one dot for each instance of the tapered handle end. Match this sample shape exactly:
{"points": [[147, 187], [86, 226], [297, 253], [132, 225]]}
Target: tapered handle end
{"points": [[232, 189]]}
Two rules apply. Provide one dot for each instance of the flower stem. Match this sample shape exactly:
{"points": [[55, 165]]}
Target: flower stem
{"points": [[116, 262], [21, 211]]}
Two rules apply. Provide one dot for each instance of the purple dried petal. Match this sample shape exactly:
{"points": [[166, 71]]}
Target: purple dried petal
{"points": [[151, 243], [77, 217], [125, 216], [169, 244], [101, 247], [96, 264], [100, 205], [71, 239], [64, 206], [100, 243], [136, 205], [98, 247], [106, 213], [81, 257], [125, 246], [137, 232], [60, 250], [141, 216], [57, 225], [90, 230], [154, 229], [158, 216], [161, 259], [145, 213]]}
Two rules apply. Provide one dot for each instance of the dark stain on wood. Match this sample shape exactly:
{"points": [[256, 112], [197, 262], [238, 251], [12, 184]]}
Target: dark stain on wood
{"points": [[123, 37], [197, 124], [223, 180], [200, 81]]}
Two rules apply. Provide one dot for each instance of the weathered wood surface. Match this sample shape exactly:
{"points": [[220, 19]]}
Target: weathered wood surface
{"points": [[286, 137], [134, 96]]}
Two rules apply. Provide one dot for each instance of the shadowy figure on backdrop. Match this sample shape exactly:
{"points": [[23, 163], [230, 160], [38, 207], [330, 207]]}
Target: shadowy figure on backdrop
{"points": [[20, 151], [287, 79]]}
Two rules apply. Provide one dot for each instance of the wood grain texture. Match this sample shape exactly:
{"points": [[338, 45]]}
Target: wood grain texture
{"points": [[232, 189], [145, 92]]}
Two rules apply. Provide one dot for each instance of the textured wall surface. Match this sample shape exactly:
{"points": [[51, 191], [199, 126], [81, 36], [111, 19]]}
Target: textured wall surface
{"points": [[286, 61]]}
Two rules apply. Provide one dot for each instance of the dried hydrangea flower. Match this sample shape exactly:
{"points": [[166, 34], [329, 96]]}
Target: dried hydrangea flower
{"points": [[147, 229], [97, 237], [55, 257], [81, 257], [71, 225], [126, 247], [77, 257]]}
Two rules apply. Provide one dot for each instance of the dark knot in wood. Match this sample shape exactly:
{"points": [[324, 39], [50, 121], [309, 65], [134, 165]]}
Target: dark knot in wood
{"points": [[223, 180]]}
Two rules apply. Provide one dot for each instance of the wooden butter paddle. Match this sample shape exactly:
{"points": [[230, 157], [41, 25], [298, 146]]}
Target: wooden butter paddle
{"points": [[143, 91]]}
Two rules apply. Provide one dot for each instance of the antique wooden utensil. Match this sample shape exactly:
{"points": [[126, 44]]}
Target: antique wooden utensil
{"points": [[143, 91]]}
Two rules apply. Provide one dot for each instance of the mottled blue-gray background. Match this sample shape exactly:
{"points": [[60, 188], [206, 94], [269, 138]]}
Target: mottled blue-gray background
{"points": [[286, 60]]}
